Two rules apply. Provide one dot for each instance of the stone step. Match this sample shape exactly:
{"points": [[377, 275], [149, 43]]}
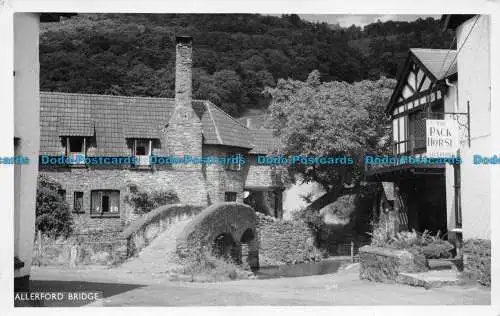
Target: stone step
{"points": [[441, 264], [455, 264], [430, 279]]}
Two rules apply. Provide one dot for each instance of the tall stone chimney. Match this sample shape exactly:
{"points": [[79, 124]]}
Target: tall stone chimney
{"points": [[183, 134], [183, 73]]}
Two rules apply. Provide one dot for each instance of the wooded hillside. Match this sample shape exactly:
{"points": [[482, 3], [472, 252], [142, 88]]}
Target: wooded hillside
{"points": [[235, 55]]}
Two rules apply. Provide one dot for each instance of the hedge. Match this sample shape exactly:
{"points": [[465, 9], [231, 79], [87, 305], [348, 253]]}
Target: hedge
{"points": [[285, 242]]}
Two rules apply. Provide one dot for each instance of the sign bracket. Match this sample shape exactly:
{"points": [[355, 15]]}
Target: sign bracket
{"points": [[462, 119]]}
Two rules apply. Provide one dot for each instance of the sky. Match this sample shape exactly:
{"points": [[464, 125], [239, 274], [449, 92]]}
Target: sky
{"points": [[360, 20]]}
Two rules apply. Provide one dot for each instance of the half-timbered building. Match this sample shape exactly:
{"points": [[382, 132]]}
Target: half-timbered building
{"points": [[424, 87]]}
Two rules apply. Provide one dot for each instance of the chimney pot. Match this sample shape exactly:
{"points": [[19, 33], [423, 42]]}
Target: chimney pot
{"points": [[183, 75], [183, 39]]}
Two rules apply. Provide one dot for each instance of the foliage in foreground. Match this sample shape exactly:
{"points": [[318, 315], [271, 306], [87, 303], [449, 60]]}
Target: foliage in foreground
{"points": [[53, 216], [205, 267], [431, 246]]}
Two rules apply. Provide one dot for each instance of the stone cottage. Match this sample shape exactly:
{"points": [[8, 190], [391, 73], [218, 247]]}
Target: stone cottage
{"points": [[76, 125]]}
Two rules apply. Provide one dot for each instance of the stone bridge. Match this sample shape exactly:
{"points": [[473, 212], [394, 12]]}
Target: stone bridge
{"points": [[225, 229]]}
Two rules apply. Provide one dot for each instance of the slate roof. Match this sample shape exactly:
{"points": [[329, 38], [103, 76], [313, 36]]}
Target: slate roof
{"points": [[437, 61], [264, 141], [438, 64], [113, 119]]}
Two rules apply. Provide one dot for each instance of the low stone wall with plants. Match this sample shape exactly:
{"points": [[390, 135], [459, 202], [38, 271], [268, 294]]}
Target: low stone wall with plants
{"points": [[77, 250], [146, 228], [285, 242], [384, 264], [391, 253], [477, 261]]}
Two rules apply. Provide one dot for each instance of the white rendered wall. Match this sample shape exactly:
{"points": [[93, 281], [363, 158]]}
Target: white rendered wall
{"points": [[26, 127], [449, 106], [474, 87]]}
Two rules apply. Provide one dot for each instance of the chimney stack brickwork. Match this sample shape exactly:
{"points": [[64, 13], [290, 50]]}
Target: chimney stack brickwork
{"points": [[183, 72], [183, 134]]}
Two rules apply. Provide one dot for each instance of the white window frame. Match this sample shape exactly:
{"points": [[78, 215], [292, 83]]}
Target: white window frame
{"points": [[232, 166], [76, 154], [96, 205], [143, 160]]}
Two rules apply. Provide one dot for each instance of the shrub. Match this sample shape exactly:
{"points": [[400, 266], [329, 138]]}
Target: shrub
{"points": [[143, 202], [438, 250], [381, 234], [285, 242], [53, 216], [431, 246]]}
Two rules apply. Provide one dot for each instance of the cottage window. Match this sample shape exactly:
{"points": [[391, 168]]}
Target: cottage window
{"points": [[399, 130], [142, 149], [76, 148], [105, 202], [76, 144], [230, 196], [233, 162], [417, 130], [78, 202]]}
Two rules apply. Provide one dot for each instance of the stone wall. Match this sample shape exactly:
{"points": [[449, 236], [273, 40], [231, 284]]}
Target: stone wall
{"points": [[226, 218], [218, 179], [141, 232], [188, 185], [285, 242], [384, 264], [259, 175], [477, 260], [202, 186]]}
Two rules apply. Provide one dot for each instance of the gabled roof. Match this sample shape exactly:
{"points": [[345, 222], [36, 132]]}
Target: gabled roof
{"points": [[113, 119], [437, 61], [225, 130], [264, 141], [426, 66]]}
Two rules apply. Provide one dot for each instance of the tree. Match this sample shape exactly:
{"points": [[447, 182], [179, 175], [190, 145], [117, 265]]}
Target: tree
{"points": [[134, 54], [330, 119], [53, 217]]}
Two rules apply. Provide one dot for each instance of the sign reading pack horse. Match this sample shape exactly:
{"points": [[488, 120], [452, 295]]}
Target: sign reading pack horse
{"points": [[442, 138]]}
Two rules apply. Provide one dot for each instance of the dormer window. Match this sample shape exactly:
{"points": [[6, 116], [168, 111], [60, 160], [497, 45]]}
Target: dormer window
{"points": [[76, 148], [233, 161], [142, 149]]}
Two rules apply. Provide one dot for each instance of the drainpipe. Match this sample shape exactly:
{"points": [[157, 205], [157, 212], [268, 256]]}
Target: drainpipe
{"points": [[457, 190]]}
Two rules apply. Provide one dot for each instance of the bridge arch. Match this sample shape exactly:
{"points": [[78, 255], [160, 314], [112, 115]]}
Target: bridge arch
{"points": [[226, 229]]}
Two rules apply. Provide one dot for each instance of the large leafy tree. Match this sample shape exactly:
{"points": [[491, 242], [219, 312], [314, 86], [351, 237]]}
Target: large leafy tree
{"points": [[318, 119]]}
